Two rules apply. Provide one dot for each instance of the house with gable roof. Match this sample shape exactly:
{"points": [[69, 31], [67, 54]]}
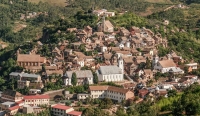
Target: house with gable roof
{"points": [[165, 66], [83, 77]]}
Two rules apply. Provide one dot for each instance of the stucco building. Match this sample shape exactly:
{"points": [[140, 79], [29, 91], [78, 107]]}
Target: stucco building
{"points": [[111, 92], [83, 77], [30, 62], [10, 95], [36, 100], [62, 110]]}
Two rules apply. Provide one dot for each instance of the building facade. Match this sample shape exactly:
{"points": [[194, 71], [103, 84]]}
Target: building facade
{"points": [[110, 74], [12, 96], [62, 110], [35, 100], [83, 77], [115, 93]]}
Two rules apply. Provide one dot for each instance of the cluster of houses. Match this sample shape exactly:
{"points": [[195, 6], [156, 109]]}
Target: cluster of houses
{"points": [[13, 102], [127, 57]]}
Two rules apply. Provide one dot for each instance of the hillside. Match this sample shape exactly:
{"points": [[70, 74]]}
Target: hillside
{"points": [[53, 2]]}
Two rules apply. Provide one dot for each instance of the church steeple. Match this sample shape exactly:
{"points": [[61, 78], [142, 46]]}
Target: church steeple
{"points": [[121, 64]]}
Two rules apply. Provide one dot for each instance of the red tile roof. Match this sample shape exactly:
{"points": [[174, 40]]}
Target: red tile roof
{"points": [[62, 107], [14, 108], [74, 113], [37, 97]]}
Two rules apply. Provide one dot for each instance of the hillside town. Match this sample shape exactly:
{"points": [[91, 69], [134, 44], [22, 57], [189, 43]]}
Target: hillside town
{"points": [[115, 63]]}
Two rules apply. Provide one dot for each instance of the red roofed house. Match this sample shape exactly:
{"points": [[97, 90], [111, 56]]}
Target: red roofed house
{"points": [[62, 110], [13, 110], [143, 92], [36, 100]]}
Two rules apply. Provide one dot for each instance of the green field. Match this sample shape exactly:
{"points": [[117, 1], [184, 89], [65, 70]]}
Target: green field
{"points": [[53, 2]]}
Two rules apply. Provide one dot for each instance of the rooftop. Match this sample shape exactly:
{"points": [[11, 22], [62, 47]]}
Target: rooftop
{"points": [[14, 108], [79, 73], [36, 97], [74, 113], [109, 88], [107, 70], [167, 63], [29, 58], [62, 107]]}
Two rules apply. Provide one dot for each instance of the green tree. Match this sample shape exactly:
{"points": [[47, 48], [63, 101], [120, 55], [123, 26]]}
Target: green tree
{"points": [[68, 103], [171, 93], [74, 79], [106, 103], [95, 78]]}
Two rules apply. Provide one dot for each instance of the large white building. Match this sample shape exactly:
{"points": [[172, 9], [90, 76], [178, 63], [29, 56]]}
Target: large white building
{"points": [[83, 77], [111, 92], [36, 100], [110, 74]]}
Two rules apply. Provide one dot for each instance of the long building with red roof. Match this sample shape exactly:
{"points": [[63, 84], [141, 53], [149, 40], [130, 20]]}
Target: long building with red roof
{"points": [[62, 110], [35, 100]]}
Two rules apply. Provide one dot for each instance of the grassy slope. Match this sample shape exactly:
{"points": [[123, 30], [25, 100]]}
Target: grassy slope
{"points": [[54, 2], [159, 1]]}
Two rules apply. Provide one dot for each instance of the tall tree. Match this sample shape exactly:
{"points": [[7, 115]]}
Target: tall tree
{"points": [[74, 79], [95, 78]]}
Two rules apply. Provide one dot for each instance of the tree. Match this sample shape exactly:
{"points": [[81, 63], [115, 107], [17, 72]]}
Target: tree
{"points": [[106, 103], [171, 93], [120, 112], [95, 78], [74, 79], [68, 103]]}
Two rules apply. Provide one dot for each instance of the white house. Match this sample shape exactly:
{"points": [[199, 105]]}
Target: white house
{"points": [[81, 62], [164, 66], [192, 65], [109, 14], [83, 77], [110, 74], [104, 49]]}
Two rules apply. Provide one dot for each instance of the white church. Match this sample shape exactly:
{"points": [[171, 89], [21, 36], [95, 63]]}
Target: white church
{"points": [[111, 73]]}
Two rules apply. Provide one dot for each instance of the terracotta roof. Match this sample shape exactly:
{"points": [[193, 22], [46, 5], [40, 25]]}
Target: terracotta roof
{"points": [[128, 60], [129, 85], [37, 97], [167, 63], [74, 113], [123, 52], [95, 88], [62, 107], [55, 72], [33, 67], [109, 88], [29, 58], [107, 56], [117, 89], [147, 71], [108, 24], [14, 108], [143, 92]]}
